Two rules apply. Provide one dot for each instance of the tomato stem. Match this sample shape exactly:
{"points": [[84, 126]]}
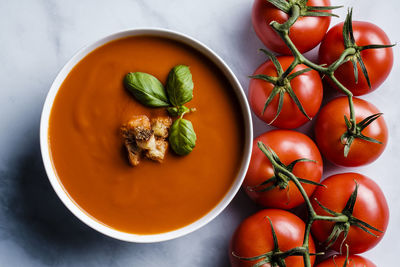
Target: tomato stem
{"points": [[312, 215], [281, 85], [350, 53], [295, 14], [351, 50], [296, 9]]}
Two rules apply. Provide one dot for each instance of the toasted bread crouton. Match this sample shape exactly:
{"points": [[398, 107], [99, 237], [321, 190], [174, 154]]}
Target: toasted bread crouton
{"points": [[139, 127], [126, 134], [145, 138], [158, 153], [160, 126], [134, 152], [147, 144]]}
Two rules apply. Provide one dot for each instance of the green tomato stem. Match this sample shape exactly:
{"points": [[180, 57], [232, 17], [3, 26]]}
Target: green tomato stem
{"points": [[339, 218], [342, 59], [295, 14], [283, 31], [289, 174], [307, 258], [312, 215]]}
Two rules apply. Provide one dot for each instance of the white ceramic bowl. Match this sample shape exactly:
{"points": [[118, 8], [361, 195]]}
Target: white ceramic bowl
{"points": [[80, 213]]}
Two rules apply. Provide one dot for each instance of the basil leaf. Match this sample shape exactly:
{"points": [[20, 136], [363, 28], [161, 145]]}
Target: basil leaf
{"points": [[180, 85], [177, 111], [182, 137], [147, 89]]}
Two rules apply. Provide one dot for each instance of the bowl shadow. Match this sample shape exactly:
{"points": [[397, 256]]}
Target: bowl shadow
{"points": [[33, 217]]}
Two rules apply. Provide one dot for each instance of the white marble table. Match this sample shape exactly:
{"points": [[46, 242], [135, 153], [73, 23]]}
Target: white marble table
{"points": [[38, 37]]}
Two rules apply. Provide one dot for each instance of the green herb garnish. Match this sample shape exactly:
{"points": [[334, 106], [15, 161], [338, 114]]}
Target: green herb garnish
{"points": [[180, 85], [182, 137], [149, 91]]}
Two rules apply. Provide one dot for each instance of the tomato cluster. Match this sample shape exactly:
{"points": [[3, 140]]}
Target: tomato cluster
{"points": [[346, 212]]}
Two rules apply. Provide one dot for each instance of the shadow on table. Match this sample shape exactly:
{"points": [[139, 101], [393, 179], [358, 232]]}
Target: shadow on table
{"points": [[33, 217]]}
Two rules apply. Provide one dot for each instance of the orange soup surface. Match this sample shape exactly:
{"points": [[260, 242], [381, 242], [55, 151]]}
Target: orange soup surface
{"points": [[87, 148]]}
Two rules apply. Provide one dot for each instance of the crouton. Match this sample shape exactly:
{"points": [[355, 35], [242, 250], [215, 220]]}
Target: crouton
{"points": [[147, 144], [134, 152], [160, 126], [139, 127], [158, 153], [142, 137]]}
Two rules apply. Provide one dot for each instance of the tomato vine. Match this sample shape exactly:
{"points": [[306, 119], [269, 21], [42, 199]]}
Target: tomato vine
{"points": [[343, 220], [350, 53]]}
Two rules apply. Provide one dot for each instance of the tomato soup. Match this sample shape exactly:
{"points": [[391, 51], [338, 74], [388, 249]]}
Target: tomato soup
{"points": [[87, 148]]}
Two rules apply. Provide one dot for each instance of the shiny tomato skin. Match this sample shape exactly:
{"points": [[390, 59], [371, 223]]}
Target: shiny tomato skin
{"points": [[330, 126], [370, 207], [253, 237], [306, 33], [353, 261], [307, 87], [378, 62], [289, 146]]}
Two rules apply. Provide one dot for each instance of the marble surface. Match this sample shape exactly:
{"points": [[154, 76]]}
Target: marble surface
{"points": [[39, 36]]}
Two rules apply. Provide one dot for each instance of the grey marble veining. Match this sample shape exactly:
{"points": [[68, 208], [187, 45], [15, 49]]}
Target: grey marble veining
{"points": [[38, 37]]}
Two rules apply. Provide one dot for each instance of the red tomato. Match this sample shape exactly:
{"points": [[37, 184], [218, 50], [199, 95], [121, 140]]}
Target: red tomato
{"points": [[370, 207], [378, 62], [330, 126], [289, 146], [353, 261], [307, 87], [253, 237], [306, 33]]}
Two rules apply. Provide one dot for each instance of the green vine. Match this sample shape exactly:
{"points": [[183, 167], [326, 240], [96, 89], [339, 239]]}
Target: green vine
{"points": [[343, 220], [350, 53]]}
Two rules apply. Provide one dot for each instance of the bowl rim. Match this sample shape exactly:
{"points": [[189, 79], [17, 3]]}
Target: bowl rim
{"points": [[79, 212]]}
